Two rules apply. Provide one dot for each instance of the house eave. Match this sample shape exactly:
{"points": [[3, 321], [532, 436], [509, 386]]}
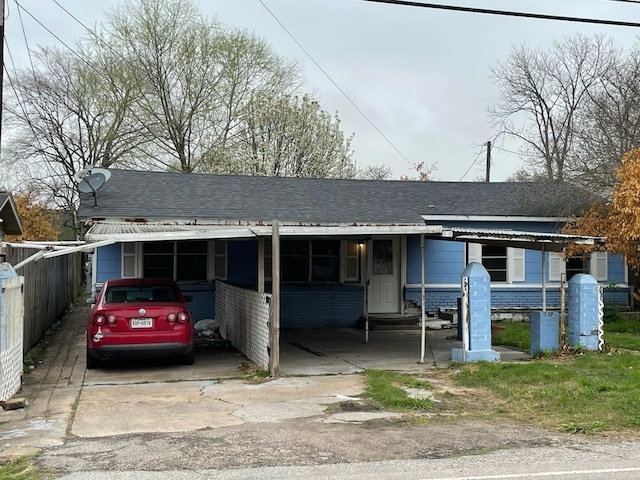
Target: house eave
{"points": [[493, 218]]}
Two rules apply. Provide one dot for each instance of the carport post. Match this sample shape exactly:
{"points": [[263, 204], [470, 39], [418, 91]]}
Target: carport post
{"points": [[544, 283], [365, 261], [274, 330], [424, 333]]}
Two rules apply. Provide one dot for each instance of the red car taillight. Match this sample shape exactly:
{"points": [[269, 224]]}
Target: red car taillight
{"points": [[112, 319], [98, 320], [181, 317]]}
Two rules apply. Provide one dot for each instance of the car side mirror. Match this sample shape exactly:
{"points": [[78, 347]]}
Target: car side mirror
{"points": [[90, 300], [188, 298]]}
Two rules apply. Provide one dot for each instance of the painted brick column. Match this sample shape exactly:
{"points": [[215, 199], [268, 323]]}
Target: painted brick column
{"points": [[544, 331], [584, 294], [479, 300]]}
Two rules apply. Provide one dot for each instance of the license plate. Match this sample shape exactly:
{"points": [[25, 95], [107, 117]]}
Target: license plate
{"points": [[141, 323]]}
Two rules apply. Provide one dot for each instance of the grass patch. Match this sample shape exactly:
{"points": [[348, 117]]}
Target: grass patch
{"points": [[584, 393], [387, 389], [514, 334], [620, 330], [23, 468]]}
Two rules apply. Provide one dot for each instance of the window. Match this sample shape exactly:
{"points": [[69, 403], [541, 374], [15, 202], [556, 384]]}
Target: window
{"points": [[504, 264], [304, 261], [595, 264], [217, 259], [494, 259], [181, 261], [575, 265], [129, 260]]}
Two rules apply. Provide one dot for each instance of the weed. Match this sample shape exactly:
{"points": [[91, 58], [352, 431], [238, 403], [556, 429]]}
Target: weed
{"points": [[24, 468], [388, 390], [587, 428]]}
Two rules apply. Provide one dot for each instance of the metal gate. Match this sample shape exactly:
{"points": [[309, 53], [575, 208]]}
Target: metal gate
{"points": [[11, 332]]}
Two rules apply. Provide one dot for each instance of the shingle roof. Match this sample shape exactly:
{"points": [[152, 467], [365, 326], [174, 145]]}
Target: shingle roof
{"points": [[160, 195], [9, 215]]}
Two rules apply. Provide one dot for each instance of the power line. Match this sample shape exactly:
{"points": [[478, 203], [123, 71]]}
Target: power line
{"points": [[472, 164], [508, 13], [335, 84], [626, 1]]}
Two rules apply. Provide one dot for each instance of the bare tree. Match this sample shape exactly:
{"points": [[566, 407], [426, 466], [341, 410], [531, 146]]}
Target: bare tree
{"points": [[196, 75], [609, 126], [375, 172], [543, 94], [67, 113]]}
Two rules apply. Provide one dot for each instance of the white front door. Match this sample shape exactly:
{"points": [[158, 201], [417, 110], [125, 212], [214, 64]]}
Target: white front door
{"points": [[384, 275]]}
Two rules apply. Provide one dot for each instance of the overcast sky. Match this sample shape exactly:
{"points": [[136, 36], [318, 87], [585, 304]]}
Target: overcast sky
{"points": [[421, 76]]}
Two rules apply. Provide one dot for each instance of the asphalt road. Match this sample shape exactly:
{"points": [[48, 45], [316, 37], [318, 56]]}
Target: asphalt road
{"points": [[604, 462]]}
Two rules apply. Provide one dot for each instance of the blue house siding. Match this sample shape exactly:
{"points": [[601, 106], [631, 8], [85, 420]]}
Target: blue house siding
{"points": [[320, 306], [444, 261], [109, 262], [616, 269], [242, 262], [203, 305]]}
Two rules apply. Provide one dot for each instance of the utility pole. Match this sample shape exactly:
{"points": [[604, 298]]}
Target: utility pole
{"points": [[488, 174], [1, 61]]}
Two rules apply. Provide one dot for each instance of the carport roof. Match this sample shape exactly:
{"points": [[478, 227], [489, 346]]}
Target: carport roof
{"points": [[128, 232], [197, 198]]}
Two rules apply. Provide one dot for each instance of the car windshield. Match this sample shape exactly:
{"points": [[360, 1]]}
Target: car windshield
{"points": [[142, 293]]}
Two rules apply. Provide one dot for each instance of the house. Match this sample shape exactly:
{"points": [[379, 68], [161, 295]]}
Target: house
{"points": [[347, 247], [10, 223]]}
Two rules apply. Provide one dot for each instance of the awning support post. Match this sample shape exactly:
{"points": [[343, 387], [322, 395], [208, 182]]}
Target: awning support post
{"points": [[423, 337], [544, 282]]}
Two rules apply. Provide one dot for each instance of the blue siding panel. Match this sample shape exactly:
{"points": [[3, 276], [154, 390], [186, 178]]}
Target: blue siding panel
{"points": [[242, 261], [320, 306], [204, 301], [109, 262], [533, 266], [444, 261], [505, 298], [616, 268]]}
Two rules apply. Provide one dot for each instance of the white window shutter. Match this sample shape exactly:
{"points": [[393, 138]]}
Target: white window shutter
{"points": [[557, 266], [598, 266], [515, 264], [474, 252]]}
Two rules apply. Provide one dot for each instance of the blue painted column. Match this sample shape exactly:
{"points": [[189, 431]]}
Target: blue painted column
{"points": [[479, 317], [545, 330], [584, 296]]}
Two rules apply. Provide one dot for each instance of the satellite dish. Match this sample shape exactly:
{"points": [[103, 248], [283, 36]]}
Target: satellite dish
{"points": [[90, 180]]}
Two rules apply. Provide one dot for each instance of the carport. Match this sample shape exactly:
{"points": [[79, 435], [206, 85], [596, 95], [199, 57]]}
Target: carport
{"points": [[255, 330]]}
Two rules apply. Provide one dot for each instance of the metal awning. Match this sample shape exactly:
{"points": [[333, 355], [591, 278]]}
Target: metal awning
{"points": [[137, 232], [554, 242], [146, 232]]}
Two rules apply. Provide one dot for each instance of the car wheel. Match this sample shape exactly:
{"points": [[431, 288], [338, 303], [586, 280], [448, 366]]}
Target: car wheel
{"points": [[92, 362], [188, 359]]}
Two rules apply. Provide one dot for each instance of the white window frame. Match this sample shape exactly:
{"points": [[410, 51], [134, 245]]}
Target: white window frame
{"points": [[516, 261], [343, 263], [598, 266], [135, 256], [214, 253]]}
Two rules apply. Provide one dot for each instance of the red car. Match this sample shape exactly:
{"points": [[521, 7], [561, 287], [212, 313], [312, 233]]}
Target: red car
{"points": [[139, 318]]}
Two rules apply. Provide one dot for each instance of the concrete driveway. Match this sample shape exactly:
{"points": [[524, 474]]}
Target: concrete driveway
{"points": [[64, 398]]}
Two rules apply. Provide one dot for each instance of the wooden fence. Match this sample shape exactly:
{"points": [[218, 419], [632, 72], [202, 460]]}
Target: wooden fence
{"points": [[50, 286]]}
